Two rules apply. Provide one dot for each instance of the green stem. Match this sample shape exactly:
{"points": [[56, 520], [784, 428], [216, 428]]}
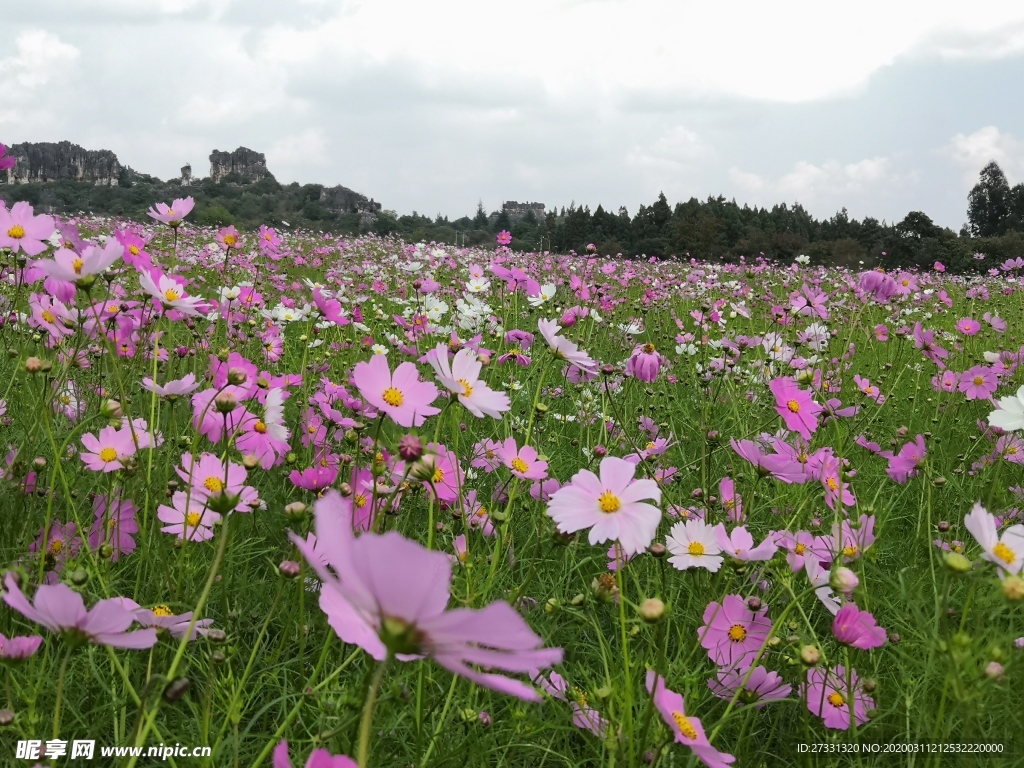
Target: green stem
{"points": [[363, 752]]}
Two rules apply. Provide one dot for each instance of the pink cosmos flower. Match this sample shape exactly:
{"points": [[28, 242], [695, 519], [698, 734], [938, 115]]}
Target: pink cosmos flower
{"points": [[732, 502], [221, 486], [906, 463], [796, 406], [19, 648], [968, 326], [780, 467], [70, 267], [563, 348], [462, 378], [401, 395], [796, 546], [188, 517], [739, 544], [645, 363], [6, 161], [881, 332], [315, 478], [761, 686], [160, 618], [880, 285], [50, 315], [229, 239], [685, 729], [1006, 551], [522, 461], [857, 628], [266, 437], [108, 451], [868, 389], [172, 389], [732, 634], [389, 595], [925, 341], [173, 214], [584, 717], [504, 237], [694, 544], [319, 758], [172, 294], [60, 609], [978, 383], [827, 696], [20, 230], [610, 505], [115, 524]]}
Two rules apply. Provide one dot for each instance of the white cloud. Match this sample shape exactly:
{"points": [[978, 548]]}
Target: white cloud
{"points": [[974, 151], [39, 57], [678, 146]]}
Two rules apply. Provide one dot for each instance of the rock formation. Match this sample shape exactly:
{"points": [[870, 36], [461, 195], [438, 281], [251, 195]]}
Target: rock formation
{"points": [[343, 200], [249, 165], [517, 211], [62, 161], [186, 174]]}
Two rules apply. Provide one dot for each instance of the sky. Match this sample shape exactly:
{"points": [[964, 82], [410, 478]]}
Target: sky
{"points": [[881, 107]]}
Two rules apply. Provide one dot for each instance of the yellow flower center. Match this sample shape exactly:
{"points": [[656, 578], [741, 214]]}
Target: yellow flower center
{"points": [[609, 502], [230, 239], [1004, 553], [799, 549], [77, 265], [737, 633], [17, 232], [850, 550], [649, 447], [260, 427], [696, 548], [793, 406], [580, 696], [268, 237], [520, 466], [685, 726], [108, 454], [192, 519], [832, 484], [393, 397], [359, 500], [467, 390], [836, 699], [171, 295], [162, 611], [482, 512], [213, 484], [648, 348], [48, 316], [56, 546], [133, 250], [438, 475]]}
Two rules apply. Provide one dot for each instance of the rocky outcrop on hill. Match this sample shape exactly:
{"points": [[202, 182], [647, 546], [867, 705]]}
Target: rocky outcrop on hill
{"points": [[60, 161], [247, 164], [343, 200]]}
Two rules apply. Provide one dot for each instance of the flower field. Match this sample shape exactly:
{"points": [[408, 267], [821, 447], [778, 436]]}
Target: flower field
{"points": [[318, 501]]}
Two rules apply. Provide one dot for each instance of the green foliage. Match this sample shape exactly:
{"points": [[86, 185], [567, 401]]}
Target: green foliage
{"points": [[214, 215]]}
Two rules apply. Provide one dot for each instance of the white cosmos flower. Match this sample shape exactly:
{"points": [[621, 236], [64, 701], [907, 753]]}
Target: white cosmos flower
{"points": [[379, 349], [693, 545], [1010, 416], [478, 285], [1006, 551], [546, 292]]}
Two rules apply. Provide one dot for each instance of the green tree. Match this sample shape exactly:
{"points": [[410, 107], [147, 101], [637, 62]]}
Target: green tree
{"points": [[988, 204]]}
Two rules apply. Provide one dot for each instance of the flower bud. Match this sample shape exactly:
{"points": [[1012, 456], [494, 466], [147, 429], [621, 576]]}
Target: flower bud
{"points": [[754, 604], [424, 469], [994, 671], [843, 580], [1013, 588], [79, 577], [289, 569], [651, 610], [237, 376], [410, 448], [943, 526], [957, 563], [217, 636], [6, 718], [176, 689], [600, 451], [225, 402], [111, 409], [250, 461], [657, 550], [295, 511], [33, 365], [810, 655]]}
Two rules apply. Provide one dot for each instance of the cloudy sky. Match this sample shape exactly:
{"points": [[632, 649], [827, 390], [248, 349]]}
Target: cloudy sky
{"points": [[880, 106]]}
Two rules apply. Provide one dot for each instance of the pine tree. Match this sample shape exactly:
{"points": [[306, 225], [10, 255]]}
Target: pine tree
{"points": [[988, 204]]}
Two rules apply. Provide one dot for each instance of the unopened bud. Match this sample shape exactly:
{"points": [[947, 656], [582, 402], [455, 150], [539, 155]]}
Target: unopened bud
{"points": [[217, 636], [657, 550], [843, 580], [994, 671], [410, 448], [33, 365], [1013, 588], [424, 469], [250, 461], [79, 577], [810, 655], [957, 563], [6, 718], [295, 511], [754, 604], [225, 402], [176, 689], [289, 569], [237, 376], [600, 451], [651, 610], [943, 526], [111, 409]]}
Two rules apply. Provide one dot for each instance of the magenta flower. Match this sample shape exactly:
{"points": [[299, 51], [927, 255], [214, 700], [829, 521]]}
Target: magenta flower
{"points": [[314, 478], [320, 758], [115, 524], [60, 609], [504, 237], [174, 213], [857, 628], [70, 267], [796, 546], [6, 161], [732, 634], [401, 395], [905, 464], [229, 239], [761, 687], [827, 696], [522, 461], [978, 383], [780, 467], [610, 505], [732, 502], [880, 285], [685, 729], [172, 294], [19, 648], [172, 389], [925, 341], [219, 485], [796, 406], [389, 595], [20, 230], [645, 363], [584, 717], [162, 619]]}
